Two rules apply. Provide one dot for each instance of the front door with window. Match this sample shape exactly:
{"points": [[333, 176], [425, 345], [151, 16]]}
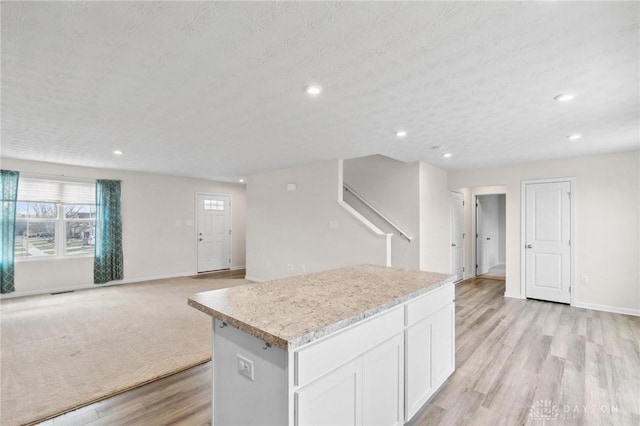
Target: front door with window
{"points": [[213, 232]]}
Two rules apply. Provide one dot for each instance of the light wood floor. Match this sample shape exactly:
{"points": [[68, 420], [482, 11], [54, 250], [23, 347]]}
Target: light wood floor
{"points": [[224, 274], [517, 362]]}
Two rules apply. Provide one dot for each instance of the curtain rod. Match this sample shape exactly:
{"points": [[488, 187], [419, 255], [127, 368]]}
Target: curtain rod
{"points": [[63, 176]]}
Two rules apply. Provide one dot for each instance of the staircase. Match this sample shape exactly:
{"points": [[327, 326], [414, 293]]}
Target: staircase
{"points": [[382, 193]]}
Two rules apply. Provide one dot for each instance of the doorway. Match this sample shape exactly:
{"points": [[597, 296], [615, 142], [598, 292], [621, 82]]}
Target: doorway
{"points": [[548, 208], [490, 235], [213, 239]]}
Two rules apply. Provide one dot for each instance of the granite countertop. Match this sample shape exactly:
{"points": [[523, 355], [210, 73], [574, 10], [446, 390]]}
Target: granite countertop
{"points": [[291, 312]]}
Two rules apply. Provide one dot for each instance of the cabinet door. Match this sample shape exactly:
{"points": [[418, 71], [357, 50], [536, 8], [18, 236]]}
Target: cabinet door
{"points": [[334, 399], [442, 350], [418, 366], [430, 356], [383, 383]]}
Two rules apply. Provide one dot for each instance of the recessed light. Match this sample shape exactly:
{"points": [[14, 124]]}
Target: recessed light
{"points": [[117, 152], [447, 155], [241, 181], [313, 90], [565, 97], [401, 133], [574, 137]]}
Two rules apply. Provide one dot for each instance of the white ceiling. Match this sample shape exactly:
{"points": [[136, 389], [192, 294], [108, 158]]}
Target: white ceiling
{"points": [[215, 90]]}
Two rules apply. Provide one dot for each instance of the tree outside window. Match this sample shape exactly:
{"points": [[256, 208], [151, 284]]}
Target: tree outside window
{"points": [[45, 229]]}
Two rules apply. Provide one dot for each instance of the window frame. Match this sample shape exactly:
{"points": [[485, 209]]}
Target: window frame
{"points": [[64, 221], [60, 233]]}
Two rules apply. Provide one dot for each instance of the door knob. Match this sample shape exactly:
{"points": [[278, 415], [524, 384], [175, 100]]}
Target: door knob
{"points": [[453, 245], [488, 238], [199, 239], [529, 246]]}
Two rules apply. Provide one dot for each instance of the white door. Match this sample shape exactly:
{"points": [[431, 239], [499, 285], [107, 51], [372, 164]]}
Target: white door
{"points": [[548, 241], [457, 235], [483, 234], [214, 229]]}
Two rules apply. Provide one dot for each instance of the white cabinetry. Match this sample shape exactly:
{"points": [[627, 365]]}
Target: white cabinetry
{"points": [[366, 390], [429, 346], [383, 384], [378, 371], [334, 399]]}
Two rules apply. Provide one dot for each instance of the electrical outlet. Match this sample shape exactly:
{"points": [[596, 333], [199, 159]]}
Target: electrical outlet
{"points": [[584, 279], [245, 367], [290, 267]]}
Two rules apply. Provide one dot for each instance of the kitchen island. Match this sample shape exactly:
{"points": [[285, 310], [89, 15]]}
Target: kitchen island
{"points": [[363, 344]]}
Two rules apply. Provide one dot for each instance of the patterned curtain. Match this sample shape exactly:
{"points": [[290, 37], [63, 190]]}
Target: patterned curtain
{"points": [[8, 197], [108, 260]]}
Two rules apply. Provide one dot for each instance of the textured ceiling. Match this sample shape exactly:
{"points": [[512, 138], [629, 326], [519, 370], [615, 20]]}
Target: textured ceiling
{"points": [[215, 90]]}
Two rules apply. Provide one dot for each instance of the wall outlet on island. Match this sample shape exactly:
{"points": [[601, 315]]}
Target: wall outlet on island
{"points": [[245, 367]]}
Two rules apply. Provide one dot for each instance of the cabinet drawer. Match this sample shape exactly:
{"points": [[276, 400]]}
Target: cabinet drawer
{"points": [[429, 303], [331, 352]]}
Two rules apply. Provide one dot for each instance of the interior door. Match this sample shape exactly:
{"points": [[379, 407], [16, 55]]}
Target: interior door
{"points": [[214, 231], [483, 235], [548, 241], [457, 235]]}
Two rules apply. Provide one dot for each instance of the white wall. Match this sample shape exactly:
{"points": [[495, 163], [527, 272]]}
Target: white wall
{"points": [[392, 187], [306, 230], [607, 239], [435, 220], [158, 228]]}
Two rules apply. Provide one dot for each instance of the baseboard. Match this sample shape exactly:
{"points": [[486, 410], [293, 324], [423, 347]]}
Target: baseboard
{"points": [[90, 286], [513, 295], [254, 279], [606, 308], [238, 267]]}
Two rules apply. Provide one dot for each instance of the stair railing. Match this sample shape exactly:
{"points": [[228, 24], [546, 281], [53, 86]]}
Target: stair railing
{"points": [[378, 212]]}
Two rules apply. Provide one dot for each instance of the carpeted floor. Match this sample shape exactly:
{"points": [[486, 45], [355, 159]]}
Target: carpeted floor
{"points": [[59, 352]]}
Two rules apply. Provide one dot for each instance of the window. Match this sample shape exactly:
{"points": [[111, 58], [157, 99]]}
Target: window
{"points": [[36, 229], [80, 225], [54, 218], [213, 204]]}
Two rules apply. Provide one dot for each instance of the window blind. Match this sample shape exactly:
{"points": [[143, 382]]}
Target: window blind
{"points": [[56, 190]]}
